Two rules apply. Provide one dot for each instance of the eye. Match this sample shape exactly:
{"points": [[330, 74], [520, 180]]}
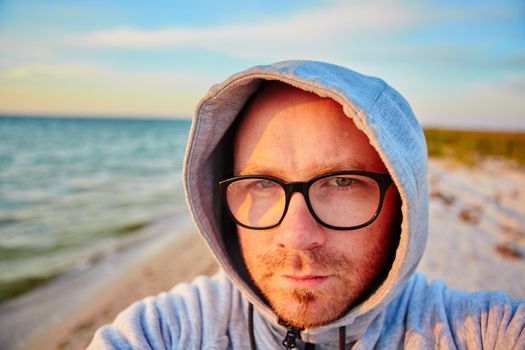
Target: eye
{"points": [[338, 182], [264, 183], [343, 181]]}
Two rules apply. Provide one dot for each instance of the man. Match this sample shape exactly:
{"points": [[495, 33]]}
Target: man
{"points": [[308, 182]]}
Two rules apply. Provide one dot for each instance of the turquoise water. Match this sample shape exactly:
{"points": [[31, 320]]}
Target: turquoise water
{"points": [[73, 188]]}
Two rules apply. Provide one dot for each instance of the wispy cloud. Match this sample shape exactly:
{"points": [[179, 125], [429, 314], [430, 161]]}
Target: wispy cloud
{"points": [[90, 71], [361, 30], [9, 46], [45, 70], [341, 20]]}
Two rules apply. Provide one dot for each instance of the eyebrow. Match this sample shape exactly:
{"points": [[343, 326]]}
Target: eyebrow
{"points": [[320, 168], [317, 169], [252, 169]]}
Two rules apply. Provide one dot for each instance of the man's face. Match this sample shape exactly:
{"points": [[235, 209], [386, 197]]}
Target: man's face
{"points": [[309, 274]]}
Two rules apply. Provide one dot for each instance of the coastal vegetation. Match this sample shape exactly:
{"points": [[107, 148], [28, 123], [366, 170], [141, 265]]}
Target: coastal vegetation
{"points": [[469, 147]]}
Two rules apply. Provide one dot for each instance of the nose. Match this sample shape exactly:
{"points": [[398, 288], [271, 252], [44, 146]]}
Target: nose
{"points": [[299, 230]]}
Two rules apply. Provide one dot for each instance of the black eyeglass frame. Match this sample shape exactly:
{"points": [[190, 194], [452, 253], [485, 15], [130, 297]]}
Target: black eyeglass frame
{"points": [[382, 180]]}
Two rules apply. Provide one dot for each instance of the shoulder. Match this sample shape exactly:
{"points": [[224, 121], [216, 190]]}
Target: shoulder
{"points": [[183, 318], [433, 312]]}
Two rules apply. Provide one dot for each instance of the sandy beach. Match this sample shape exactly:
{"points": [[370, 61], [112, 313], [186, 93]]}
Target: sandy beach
{"points": [[476, 241], [180, 261], [477, 226]]}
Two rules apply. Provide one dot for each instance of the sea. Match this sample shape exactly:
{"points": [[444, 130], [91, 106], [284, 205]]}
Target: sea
{"points": [[73, 189]]}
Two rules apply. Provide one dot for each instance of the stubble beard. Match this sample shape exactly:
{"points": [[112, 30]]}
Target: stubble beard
{"points": [[304, 307]]}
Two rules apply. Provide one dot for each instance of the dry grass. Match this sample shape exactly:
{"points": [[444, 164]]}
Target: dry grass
{"points": [[469, 147]]}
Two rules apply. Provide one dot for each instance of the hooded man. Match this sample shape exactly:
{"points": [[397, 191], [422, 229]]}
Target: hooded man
{"points": [[308, 182]]}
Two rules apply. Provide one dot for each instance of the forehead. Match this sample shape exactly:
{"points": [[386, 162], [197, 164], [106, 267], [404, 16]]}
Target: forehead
{"points": [[295, 134]]}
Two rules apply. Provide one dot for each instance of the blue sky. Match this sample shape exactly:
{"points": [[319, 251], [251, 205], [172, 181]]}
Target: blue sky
{"points": [[459, 63]]}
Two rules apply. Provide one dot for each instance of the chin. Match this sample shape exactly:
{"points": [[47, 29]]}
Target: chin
{"points": [[303, 308], [307, 314]]}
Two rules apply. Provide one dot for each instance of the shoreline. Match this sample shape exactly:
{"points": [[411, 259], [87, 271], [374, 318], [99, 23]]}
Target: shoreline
{"points": [[149, 278], [44, 317]]}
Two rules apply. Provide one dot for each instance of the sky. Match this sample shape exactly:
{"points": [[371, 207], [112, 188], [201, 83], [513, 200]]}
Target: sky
{"points": [[458, 63]]}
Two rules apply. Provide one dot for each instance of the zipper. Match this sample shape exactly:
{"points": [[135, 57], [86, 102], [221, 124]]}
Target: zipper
{"points": [[289, 339], [292, 334]]}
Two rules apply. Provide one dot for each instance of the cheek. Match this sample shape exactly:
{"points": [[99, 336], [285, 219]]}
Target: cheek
{"points": [[373, 241], [253, 242], [355, 245]]}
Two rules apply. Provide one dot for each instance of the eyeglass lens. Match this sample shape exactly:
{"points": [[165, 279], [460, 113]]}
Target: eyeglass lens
{"points": [[339, 200]]}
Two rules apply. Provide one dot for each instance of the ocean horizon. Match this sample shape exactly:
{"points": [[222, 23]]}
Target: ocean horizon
{"points": [[73, 188]]}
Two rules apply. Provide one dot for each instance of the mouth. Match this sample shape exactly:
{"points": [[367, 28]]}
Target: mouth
{"points": [[304, 281]]}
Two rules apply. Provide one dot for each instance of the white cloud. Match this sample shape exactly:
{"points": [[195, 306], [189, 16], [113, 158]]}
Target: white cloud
{"points": [[303, 32], [8, 46], [46, 70], [94, 72], [339, 30]]}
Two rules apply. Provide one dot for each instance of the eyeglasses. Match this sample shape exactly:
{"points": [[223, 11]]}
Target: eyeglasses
{"points": [[340, 200]]}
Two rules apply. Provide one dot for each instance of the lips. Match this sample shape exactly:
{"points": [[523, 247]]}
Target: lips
{"points": [[310, 281]]}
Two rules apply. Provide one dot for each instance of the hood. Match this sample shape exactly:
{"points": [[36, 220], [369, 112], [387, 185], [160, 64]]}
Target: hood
{"points": [[376, 109]]}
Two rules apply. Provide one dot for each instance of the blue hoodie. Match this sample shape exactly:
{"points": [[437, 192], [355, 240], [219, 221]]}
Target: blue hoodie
{"points": [[404, 311]]}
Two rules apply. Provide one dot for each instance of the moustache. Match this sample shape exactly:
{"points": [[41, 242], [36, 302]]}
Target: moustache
{"points": [[320, 261]]}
